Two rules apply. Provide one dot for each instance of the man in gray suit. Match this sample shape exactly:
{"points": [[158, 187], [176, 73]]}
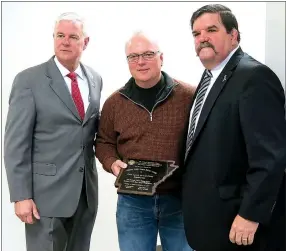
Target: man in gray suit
{"points": [[48, 146]]}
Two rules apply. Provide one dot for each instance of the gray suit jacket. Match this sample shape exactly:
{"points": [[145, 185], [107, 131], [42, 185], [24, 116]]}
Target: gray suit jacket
{"points": [[48, 150]]}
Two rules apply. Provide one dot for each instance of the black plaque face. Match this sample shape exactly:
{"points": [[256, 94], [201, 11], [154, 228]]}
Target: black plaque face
{"points": [[143, 176]]}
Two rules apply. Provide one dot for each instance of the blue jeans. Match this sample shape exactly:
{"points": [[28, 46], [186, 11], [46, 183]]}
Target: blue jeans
{"points": [[140, 218]]}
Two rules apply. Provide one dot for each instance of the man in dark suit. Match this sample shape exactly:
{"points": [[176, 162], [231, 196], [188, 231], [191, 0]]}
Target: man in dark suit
{"points": [[48, 146], [236, 144]]}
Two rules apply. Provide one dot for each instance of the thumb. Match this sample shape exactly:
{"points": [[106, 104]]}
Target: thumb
{"points": [[122, 164], [116, 171], [35, 212]]}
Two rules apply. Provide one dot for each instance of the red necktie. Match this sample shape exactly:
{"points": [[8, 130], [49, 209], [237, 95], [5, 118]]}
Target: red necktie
{"points": [[75, 92]]}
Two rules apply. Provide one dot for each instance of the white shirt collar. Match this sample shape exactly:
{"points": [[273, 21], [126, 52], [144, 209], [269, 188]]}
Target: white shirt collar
{"points": [[64, 71], [218, 69]]}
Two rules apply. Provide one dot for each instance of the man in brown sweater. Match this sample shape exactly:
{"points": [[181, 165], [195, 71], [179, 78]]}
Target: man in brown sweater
{"points": [[146, 119]]}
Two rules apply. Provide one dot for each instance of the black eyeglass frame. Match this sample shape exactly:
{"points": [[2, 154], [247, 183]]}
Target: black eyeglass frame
{"points": [[147, 56]]}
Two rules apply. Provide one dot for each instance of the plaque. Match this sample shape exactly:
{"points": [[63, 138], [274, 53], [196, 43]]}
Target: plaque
{"points": [[143, 176]]}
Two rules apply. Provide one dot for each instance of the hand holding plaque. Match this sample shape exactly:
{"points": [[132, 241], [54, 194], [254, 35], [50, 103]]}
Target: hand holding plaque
{"points": [[143, 176]]}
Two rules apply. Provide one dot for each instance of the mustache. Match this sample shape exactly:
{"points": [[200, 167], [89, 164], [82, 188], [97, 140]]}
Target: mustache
{"points": [[205, 45]]}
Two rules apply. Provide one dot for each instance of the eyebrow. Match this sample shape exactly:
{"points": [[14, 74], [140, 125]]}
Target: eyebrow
{"points": [[211, 27], [208, 28], [149, 51], [61, 33]]}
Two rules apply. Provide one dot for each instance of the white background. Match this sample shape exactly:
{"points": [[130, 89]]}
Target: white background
{"points": [[27, 40]]}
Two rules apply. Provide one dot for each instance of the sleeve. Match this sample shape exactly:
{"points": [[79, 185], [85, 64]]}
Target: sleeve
{"points": [[18, 140], [262, 118], [106, 141]]}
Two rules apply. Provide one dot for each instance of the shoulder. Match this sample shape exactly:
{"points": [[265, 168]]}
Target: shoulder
{"points": [[253, 70], [183, 87], [256, 78], [27, 77], [253, 66], [113, 100]]}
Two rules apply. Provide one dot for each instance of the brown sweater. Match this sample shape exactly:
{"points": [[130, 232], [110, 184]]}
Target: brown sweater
{"points": [[126, 130]]}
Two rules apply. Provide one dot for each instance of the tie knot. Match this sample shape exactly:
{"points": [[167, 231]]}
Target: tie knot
{"points": [[208, 73], [72, 75]]}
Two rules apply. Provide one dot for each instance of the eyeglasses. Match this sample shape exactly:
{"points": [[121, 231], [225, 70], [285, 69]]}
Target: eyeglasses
{"points": [[148, 56]]}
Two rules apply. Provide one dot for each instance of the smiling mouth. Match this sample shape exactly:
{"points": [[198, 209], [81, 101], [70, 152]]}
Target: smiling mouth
{"points": [[142, 70]]}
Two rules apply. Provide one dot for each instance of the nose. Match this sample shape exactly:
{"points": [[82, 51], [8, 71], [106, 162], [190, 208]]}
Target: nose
{"points": [[141, 60], [66, 41], [203, 37]]}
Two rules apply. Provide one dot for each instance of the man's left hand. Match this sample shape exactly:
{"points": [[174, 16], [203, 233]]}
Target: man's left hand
{"points": [[242, 231]]}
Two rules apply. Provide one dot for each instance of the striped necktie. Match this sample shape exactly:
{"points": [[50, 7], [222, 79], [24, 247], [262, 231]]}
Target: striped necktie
{"points": [[198, 106], [76, 95]]}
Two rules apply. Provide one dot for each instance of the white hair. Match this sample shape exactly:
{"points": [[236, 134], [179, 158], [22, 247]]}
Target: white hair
{"points": [[140, 33], [74, 17]]}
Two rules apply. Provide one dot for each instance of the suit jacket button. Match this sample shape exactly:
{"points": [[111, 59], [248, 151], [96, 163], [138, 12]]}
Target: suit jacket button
{"points": [[81, 169]]}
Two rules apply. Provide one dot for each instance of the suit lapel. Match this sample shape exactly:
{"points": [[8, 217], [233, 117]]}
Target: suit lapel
{"points": [[218, 86], [60, 88], [92, 93]]}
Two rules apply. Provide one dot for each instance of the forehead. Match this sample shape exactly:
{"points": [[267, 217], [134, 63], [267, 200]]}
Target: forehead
{"points": [[207, 20], [66, 26], [139, 45]]}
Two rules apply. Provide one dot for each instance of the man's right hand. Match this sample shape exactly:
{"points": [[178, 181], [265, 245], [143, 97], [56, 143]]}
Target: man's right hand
{"points": [[25, 210], [116, 167]]}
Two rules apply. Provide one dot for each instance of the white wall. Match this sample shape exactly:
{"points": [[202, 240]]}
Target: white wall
{"points": [[27, 41], [275, 39]]}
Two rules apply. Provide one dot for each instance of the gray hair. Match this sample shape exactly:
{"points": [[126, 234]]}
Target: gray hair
{"points": [[74, 17], [147, 35]]}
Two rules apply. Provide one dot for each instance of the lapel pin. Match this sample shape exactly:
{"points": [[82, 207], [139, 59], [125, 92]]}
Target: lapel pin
{"points": [[224, 78]]}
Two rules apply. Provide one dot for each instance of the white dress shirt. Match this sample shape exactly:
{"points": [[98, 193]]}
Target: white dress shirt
{"points": [[215, 72], [81, 80]]}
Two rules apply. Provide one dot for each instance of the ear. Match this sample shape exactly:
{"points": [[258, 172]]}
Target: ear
{"points": [[234, 35], [161, 57], [86, 41]]}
